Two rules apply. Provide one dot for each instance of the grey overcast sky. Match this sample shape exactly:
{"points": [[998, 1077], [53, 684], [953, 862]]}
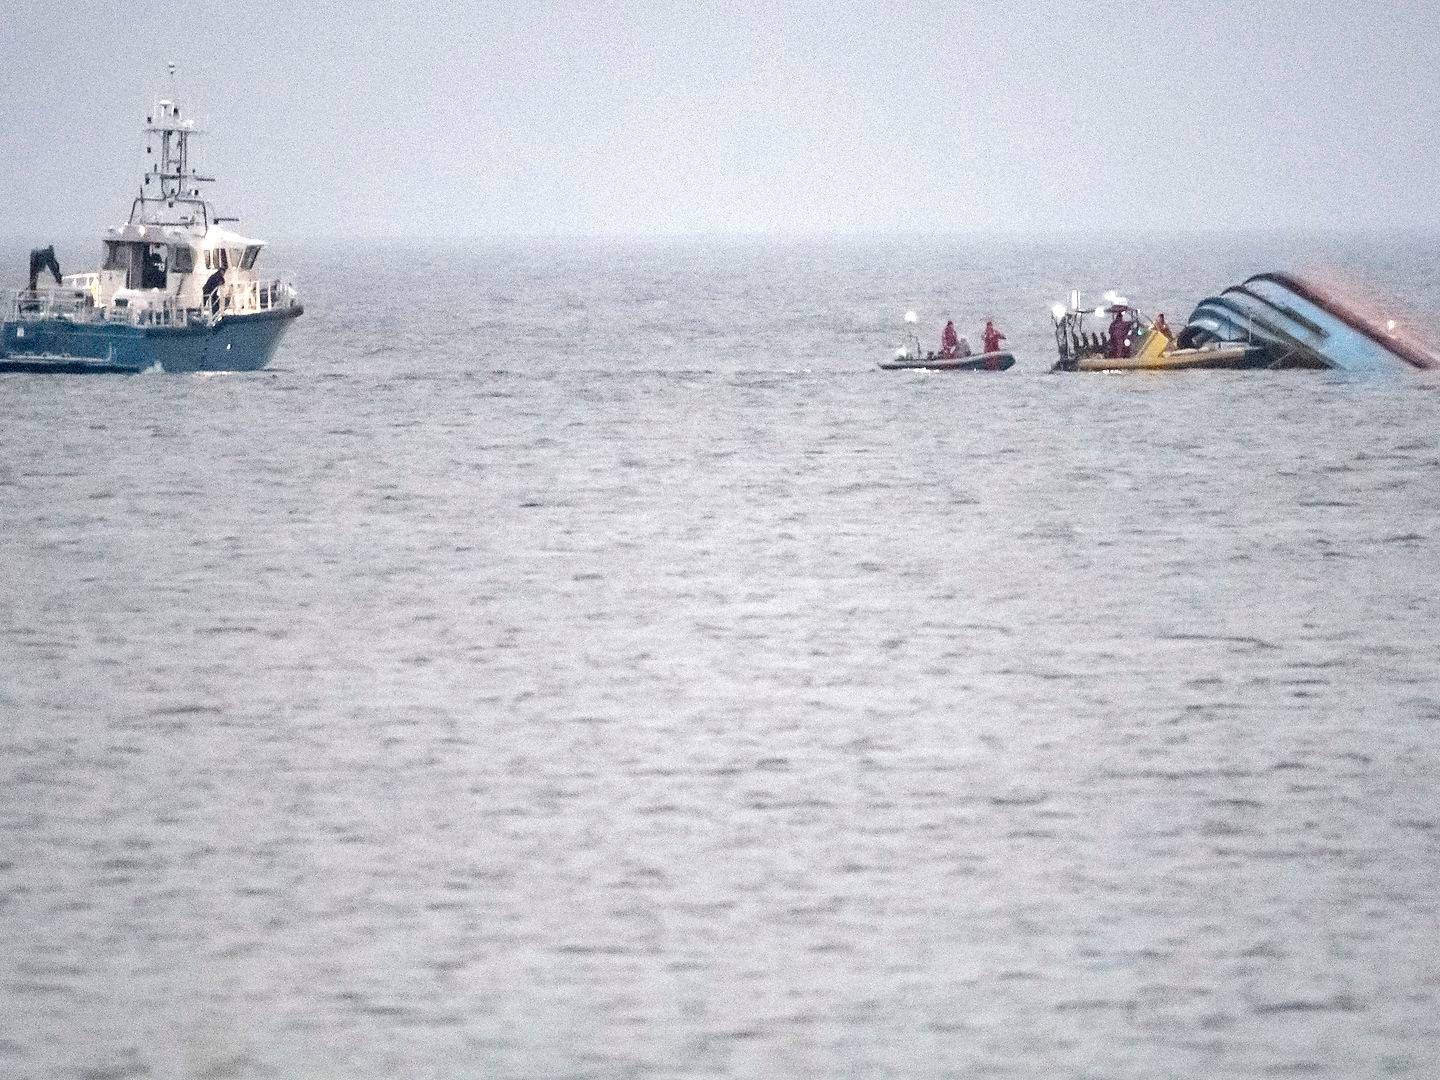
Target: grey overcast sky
{"points": [[656, 117]]}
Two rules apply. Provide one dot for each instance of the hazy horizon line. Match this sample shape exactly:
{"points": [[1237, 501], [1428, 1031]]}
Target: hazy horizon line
{"points": [[438, 238]]}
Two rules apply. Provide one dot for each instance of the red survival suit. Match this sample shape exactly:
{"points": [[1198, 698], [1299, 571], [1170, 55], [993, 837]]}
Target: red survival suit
{"points": [[993, 337], [1119, 331], [949, 341]]}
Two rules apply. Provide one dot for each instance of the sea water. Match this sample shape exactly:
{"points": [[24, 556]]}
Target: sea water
{"points": [[576, 659]]}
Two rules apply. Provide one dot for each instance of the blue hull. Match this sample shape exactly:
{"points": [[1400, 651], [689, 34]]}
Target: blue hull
{"points": [[235, 343]]}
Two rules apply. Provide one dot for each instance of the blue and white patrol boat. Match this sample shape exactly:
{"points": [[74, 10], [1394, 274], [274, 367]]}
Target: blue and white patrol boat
{"points": [[177, 290]]}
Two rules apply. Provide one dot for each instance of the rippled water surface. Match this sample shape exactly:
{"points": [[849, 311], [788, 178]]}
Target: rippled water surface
{"points": [[579, 661]]}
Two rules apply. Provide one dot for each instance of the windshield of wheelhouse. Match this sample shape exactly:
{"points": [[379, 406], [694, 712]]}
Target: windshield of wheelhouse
{"points": [[144, 265]]}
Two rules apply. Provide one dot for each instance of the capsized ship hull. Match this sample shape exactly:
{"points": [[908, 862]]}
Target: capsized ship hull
{"points": [[234, 343], [1300, 323]]}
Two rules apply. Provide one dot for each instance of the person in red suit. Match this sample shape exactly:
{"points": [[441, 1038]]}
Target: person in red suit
{"points": [[949, 341], [1163, 327], [1119, 331], [993, 337]]}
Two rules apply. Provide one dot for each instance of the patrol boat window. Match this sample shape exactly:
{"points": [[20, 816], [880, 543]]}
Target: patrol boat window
{"points": [[152, 269], [182, 259], [144, 264], [251, 253]]}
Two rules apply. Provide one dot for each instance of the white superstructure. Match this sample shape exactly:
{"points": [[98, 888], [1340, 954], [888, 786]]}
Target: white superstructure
{"points": [[174, 261]]}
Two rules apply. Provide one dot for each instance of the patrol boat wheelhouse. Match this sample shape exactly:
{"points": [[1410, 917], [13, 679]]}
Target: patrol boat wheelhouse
{"points": [[177, 290]]}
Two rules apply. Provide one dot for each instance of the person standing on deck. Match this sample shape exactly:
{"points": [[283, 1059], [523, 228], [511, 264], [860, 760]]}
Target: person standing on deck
{"points": [[993, 337], [949, 341], [211, 291], [1119, 331], [1161, 326]]}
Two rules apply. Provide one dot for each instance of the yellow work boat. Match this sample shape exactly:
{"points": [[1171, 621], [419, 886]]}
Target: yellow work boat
{"points": [[1147, 348], [1155, 354]]}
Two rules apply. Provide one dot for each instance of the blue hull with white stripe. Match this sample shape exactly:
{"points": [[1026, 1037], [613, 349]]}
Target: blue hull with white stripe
{"points": [[244, 342]]}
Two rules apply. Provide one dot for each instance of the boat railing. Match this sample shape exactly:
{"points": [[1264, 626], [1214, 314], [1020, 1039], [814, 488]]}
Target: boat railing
{"points": [[75, 301], [53, 302], [68, 303], [160, 311], [248, 297]]}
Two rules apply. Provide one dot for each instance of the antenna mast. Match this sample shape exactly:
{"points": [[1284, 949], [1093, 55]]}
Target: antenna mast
{"points": [[169, 178]]}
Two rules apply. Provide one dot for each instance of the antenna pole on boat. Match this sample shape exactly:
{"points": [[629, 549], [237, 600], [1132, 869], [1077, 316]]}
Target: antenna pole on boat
{"points": [[168, 133]]}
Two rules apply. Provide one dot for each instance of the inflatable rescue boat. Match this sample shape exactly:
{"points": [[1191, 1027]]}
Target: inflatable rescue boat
{"points": [[995, 361]]}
